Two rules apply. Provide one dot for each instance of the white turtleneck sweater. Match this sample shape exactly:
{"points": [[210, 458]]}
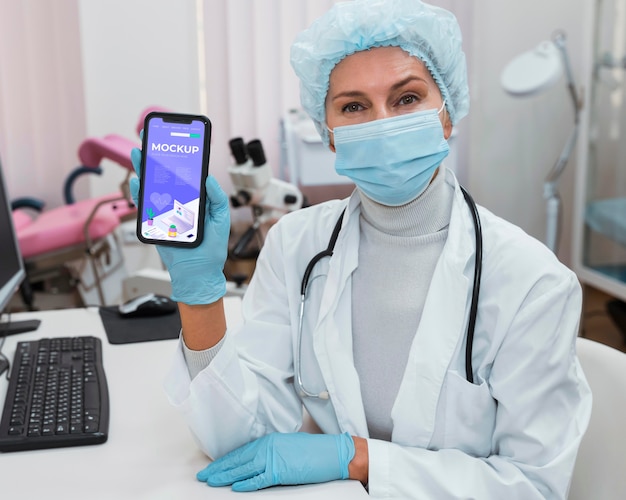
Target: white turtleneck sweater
{"points": [[398, 252]]}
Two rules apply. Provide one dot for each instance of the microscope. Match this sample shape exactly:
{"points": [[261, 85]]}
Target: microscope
{"points": [[255, 186]]}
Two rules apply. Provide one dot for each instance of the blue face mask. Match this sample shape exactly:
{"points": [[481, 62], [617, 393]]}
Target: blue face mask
{"points": [[391, 160]]}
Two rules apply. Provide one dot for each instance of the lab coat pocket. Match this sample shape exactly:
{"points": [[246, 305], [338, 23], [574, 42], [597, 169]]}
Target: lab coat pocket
{"points": [[470, 416]]}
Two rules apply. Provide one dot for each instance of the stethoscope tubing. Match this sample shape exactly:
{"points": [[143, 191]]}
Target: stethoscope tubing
{"points": [[328, 252], [478, 271]]}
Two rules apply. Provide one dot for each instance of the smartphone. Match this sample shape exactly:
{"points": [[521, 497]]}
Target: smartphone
{"points": [[174, 166]]}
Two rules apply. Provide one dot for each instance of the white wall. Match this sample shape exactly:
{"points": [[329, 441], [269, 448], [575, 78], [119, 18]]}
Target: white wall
{"points": [[136, 54], [514, 142]]}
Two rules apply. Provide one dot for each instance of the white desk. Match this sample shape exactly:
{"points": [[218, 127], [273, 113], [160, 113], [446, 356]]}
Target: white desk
{"points": [[150, 453]]}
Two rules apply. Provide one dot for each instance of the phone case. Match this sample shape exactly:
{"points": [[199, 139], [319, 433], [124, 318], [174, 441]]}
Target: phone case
{"points": [[174, 167]]}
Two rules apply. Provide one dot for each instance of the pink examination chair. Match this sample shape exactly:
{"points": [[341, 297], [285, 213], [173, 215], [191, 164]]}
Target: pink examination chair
{"points": [[80, 229]]}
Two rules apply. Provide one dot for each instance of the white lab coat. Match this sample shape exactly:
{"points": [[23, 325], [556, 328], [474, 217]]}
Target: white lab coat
{"points": [[512, 434]]}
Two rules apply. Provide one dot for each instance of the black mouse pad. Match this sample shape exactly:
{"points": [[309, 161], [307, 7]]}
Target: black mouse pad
{"points": [[122, 330]]}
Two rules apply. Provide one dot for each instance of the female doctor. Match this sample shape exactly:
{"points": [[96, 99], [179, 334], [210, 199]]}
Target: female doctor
{"points": [[435, 345]]}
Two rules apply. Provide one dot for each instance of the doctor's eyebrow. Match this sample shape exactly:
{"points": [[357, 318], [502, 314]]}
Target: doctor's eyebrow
{"points": [[407, 80], [395, 86]]}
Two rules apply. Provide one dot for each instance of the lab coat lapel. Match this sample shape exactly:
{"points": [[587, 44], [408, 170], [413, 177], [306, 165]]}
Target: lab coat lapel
{"points": [[441, 328], [333, 335], [344, 260]]}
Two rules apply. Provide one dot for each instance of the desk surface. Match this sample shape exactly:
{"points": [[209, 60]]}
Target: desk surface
{"points": [[150, 453]]}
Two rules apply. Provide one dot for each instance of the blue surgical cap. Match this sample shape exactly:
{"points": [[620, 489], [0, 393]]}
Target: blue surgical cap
{"points": [[429, 33]]}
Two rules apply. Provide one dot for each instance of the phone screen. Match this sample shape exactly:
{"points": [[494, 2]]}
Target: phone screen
{"points": [[175, 154]]}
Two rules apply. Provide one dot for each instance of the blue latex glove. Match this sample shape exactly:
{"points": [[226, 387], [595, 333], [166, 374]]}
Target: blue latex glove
{"points": [[296, 458], [197, 274]]}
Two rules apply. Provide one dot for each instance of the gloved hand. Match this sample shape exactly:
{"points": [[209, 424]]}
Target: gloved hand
{"points": [[296, 458], [197, 274]]}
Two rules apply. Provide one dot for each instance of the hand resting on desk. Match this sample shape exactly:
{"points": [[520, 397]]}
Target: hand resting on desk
{"points": [[282, 459]]}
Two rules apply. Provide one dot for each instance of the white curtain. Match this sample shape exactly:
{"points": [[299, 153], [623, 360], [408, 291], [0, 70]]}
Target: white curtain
{"points": [[249, 83], [42, 114]]}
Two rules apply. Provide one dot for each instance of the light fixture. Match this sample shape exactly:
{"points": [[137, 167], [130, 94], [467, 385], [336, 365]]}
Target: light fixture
{"points": [[529, 74]]}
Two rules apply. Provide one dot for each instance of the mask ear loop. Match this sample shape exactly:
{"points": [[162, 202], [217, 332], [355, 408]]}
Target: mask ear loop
{"points": [[443, 105]]}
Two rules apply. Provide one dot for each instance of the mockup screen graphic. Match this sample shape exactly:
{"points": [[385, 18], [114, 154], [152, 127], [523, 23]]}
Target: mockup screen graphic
{"points": [[172, 180]]}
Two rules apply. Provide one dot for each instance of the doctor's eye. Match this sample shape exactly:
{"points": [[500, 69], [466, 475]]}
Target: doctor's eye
{"points": [[408, 99], [352, 107]]}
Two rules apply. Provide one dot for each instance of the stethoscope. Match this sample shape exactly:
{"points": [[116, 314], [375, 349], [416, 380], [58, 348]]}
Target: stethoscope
{"points": [[328, 252]]}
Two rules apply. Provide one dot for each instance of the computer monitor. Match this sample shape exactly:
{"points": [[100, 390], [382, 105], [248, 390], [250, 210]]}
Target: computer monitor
{"points": [[12, 271]]}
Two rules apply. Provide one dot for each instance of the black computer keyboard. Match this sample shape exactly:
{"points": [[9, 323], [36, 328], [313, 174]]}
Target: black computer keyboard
{"points": [[57, 395]]}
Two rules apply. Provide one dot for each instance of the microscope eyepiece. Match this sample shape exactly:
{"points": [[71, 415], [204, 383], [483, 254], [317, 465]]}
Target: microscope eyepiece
{"points": [[238, 150], [255, 150]]}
